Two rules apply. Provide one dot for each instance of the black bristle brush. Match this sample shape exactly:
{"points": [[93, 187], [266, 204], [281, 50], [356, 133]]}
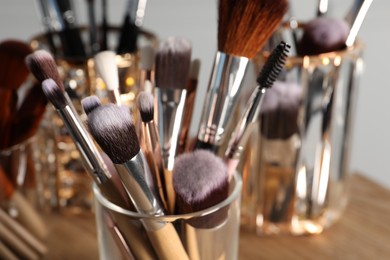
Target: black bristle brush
{"points": [[173, 59], [150, 143], [266, 78], [90, 103], [244, 26], [113, 129]]}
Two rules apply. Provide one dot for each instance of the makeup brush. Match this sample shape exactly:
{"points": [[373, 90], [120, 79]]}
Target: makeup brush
{"points": [[173, 59], [27, 215], [129, 30], [147, 54], [265, 80], [90, 103], [95, 165], [244, 26], [107, 68], [150, 144], [93, 30], [189, 104], [113, 130], [104, 26]]}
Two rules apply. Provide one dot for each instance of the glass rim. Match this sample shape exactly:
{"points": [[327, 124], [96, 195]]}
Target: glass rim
{"points": [[233, 195]]}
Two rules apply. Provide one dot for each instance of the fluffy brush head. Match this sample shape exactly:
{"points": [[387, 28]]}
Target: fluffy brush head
{"points": [[145, 105], [113, 129], [273, 66], [13, 69], [200, 181], [244, 26], [107, 68], [54, 93], [43, 66], [173, 59], [90, 103]]}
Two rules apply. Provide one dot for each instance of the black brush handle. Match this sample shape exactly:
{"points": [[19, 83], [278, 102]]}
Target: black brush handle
{"points": [[104, 27]]}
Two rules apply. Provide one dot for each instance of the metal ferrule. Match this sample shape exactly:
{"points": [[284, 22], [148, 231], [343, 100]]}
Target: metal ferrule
{"points": [[170, 110], [221, 97], [89, 153], [134, 176], [247, 120]]}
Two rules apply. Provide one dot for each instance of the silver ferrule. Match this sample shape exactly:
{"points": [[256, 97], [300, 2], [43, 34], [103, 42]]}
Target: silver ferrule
{"points": [[221, 97], [134, 176], [244, 126], [90, 155], [169, 113]]}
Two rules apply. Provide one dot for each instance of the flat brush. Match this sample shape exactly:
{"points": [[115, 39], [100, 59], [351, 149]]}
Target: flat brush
{"points": [[150, 144], [114, 131], [107, 68], [244, 26], [173, 59], [265, 80]]}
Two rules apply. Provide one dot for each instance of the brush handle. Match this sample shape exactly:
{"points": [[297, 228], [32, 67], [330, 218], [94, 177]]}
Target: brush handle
{"points": [[355, 19], [221, 97], [104, 27], [93, 37], [6, 253], [17, 245]]}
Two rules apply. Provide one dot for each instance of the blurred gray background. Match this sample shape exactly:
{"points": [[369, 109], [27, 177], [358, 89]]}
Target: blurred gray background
{"points": [[197, 20]]}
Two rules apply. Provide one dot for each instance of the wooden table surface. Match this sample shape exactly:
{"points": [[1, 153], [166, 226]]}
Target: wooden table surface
{"points": [[362, 233]]}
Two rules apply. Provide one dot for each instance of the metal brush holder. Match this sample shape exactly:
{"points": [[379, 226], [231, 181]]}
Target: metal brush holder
{"points": [[296, 164], [73, 186]]}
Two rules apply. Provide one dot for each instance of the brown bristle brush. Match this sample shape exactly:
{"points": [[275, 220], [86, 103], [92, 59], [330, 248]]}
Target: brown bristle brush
{"points": [[244, 26], [13, 73], [113, 129], [173, 60]]}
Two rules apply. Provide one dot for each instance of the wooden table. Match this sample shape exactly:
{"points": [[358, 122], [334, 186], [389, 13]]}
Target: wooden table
{"points": [[362, 233]]}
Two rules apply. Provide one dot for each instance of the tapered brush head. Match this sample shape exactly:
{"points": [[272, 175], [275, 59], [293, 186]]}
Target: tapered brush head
{"points": [[200, 181], [244, 26], [107, 69], [43, 66], [274, 65], [54, 93], [90, 103], [145, 105], [13, 69], [113, 129], [173, 59]]}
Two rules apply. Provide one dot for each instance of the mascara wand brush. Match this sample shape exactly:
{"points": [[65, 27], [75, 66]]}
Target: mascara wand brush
{"points": [[244, 26], [113, 129], [265, 80]]}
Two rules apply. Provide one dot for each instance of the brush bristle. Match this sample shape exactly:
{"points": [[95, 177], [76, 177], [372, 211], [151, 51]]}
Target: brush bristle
{"points": [[54, 93], [145, 105], [13, 69], [273, 66], [147, 57], [200, 180], [173, 61], [113, 129], [107, 68], [244, 26], [90, 103], [43, 66]]}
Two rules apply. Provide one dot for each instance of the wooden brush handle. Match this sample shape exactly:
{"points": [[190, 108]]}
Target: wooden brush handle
{"points": [[14, 242], [167, 243]]}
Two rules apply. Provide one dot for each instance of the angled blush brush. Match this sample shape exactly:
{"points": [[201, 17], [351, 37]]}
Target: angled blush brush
{"points": [[173, 59], [114, 131], [150, 144], [107, 68], [244, 26], [265, 80]]}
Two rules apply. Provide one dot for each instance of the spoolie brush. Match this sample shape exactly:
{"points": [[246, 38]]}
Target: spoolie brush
{"points": [[150, 144], [113, 129], [107, 69], [172, 66], [244, 26], [265, 80]]}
